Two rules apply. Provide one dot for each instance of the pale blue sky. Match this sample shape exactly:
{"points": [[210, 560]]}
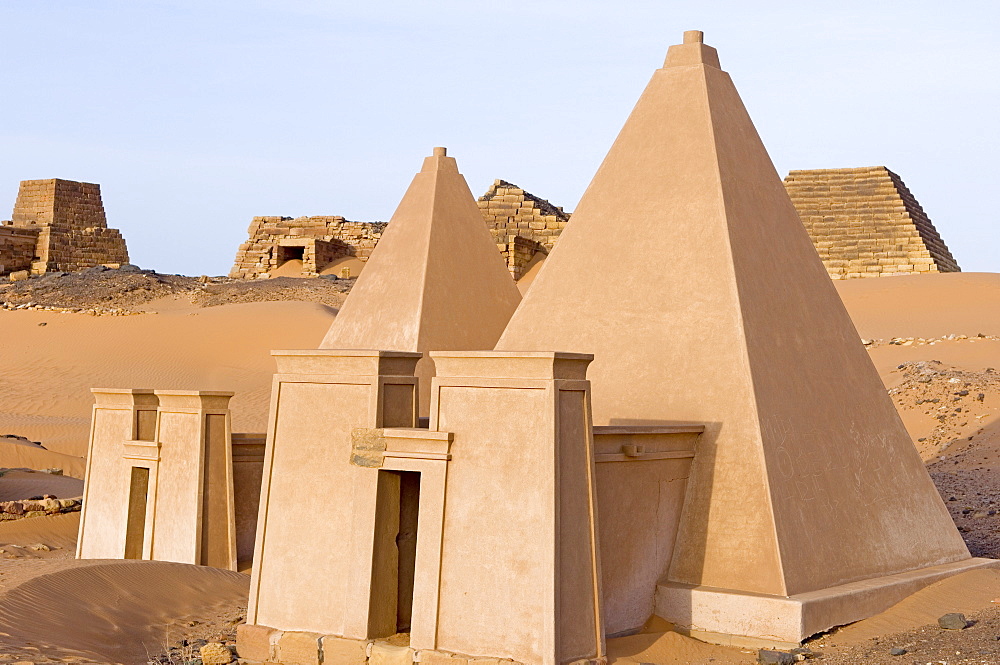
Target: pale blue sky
{"points": [[196, 116]]}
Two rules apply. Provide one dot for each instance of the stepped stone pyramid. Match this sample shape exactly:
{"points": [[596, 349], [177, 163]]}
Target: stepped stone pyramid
{"points": [[59, 225], [865, 222], [523, 224]]}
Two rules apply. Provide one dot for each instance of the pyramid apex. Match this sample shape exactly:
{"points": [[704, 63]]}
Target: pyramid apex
{"points": [[694, 37], [693, 51], [439, 161]]}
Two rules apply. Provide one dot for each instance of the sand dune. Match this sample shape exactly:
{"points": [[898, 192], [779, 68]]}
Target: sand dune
{"points": [[56, 531], [45, 380], [669, 648], [24, 485], [119, 611], [932, 305], [19, 454]]}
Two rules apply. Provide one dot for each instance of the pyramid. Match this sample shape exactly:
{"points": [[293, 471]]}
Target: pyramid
{"points": [[805, 478], [434, 281], [523, 224], [865, 222]]}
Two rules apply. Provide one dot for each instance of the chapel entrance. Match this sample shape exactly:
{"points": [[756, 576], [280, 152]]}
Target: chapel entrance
{"points": [[135, 527], [395, 553]]}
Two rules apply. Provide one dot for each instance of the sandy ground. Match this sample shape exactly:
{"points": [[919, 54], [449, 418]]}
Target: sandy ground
{"points": [[942, 371], [17, 484], [45, 379]]}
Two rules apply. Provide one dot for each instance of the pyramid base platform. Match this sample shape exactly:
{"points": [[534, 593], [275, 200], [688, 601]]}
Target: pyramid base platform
{"points": [[744, 619]]}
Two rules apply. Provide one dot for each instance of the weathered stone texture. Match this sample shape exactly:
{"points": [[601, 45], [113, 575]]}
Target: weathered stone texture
{"points": [[17, 248], [864, 222], [317, 241], [522, 223], [66, 221]]}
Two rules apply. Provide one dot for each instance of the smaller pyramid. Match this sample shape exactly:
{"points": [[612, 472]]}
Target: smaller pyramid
{"points": [[525, 226], [434, 281], [865, 222]]}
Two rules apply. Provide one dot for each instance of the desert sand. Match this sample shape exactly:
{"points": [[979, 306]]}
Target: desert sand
{"points": [[45, 389], [119, 611]]}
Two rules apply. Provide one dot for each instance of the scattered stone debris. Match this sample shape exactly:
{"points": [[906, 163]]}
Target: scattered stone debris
{"points": [[211, 641], [926, 341], [21, 439], [38, 507], [123, 291], [949, 395]]}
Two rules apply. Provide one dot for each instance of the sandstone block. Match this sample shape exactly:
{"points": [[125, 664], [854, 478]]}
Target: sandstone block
{"points": [[342, 651], [439, 658], [299, 648], [215, 653], [258, 643], [387, 654]]}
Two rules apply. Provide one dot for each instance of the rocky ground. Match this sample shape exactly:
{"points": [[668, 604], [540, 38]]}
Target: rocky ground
{"points": [[128, 289], [978, 644]]}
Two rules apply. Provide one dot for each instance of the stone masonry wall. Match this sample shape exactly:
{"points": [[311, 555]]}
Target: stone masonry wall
{"points": [[70, 223], [522, 223], [864, 222], [17, 248], [322, 240]]}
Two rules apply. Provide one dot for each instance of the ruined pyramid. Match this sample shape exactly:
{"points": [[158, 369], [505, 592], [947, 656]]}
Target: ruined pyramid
{"points": [[865, 222], [434, 282], [805, 479], [525, 226]]}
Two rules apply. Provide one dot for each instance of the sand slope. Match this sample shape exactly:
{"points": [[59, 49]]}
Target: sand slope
{"points": [[930, 305], [55, 531], [45, 379], [119, 611], [24, 485], [18, 454], [964, 593]]}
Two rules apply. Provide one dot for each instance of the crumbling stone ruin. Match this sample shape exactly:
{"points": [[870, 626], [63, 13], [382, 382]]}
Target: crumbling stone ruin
{"points": [[864, 222], [318, 242], [525, 227], [58, 225]]}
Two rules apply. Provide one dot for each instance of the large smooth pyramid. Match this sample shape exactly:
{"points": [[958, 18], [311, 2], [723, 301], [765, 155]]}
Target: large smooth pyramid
{"points": [[436, 280], [721, 312]]}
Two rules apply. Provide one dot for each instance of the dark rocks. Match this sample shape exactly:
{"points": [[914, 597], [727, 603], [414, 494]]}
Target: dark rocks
{"points": [[769, 657], [897, 651], [953, 621]]}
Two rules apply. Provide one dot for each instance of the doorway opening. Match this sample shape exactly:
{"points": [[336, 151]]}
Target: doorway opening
{"points": [[289, 253], [394, 567], [135, 526]]}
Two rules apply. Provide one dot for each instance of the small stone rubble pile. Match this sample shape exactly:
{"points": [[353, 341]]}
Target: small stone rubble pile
{"points": [[38, 507], [928, 341], [956, 398], [208, 641], [197, 652], [102, 291]]}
